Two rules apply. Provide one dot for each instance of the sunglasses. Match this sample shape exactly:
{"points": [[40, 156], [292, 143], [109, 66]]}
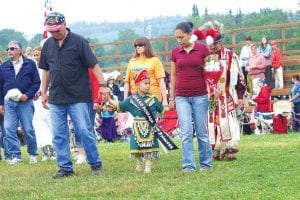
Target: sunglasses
{"points": [[138, 45], [11, 48]]}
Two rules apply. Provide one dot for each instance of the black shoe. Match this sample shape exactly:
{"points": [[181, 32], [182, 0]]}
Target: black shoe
{"points": [[62, 174], [96, 169]]}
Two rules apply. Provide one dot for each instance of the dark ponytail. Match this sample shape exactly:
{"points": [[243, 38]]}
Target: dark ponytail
{"points": [[186, 27]]}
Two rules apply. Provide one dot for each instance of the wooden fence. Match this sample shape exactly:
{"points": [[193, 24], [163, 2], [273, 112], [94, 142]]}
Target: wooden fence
{"points": [[291, 56]]}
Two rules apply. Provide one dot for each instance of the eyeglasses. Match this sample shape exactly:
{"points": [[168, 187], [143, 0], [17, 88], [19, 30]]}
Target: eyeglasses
{"points": [[138, 45], [11, 48]]}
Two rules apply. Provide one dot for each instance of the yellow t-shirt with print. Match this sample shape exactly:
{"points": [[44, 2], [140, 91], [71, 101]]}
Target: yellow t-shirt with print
{"points": [[155, 69]]}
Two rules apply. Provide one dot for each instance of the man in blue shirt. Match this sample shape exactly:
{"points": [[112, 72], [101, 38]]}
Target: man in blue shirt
{"points": [[19, 82]]}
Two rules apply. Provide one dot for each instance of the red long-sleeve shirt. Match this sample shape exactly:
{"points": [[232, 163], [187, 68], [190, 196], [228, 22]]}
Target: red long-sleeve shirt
{"points": [[263, 100], [95, 87], [276, 57]]}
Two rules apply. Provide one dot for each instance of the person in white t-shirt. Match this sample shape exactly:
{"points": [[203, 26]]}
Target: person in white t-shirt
{"points": [[245, 55]]}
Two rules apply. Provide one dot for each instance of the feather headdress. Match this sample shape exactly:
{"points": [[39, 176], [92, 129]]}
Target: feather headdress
{"points": [[212, 31], [197, 35]]}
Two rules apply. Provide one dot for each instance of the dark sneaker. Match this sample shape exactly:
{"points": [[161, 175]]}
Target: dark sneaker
{"points": [[96, 169], [62, 174]]}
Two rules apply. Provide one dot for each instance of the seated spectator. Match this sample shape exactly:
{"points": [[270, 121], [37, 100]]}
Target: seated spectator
{"points": [[108, 125], [262, 100], [263, 107]]}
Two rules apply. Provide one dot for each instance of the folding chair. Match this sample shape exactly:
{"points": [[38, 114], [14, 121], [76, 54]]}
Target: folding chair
{"points": [[284, 108], [170, 123]]}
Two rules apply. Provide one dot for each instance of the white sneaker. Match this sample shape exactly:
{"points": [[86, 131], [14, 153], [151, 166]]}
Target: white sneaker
{"points": [[81, 159], [257, 131], [32, 159], [44, 158], [14, 161]]}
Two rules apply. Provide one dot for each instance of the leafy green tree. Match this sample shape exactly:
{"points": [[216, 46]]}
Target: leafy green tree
{"points": [[127, 49], [36, 40], [238, 17], [195, 12], [7, 35]]}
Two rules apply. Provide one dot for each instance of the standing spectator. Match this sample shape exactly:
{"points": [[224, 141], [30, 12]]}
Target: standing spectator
{"points": [[65, 60], [277, 64], [2, 132], [188, 90], [114, 87], [121, 86], [41, 118], [144, 58], [19, 82], [245, 56], [256, 68], [223, 125], [266, 50], [28, 52], [2, 135], [295, 98]]}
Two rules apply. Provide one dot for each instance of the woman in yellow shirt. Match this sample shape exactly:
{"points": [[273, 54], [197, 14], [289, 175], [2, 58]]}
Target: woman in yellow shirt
{"points": [[144, 58]]}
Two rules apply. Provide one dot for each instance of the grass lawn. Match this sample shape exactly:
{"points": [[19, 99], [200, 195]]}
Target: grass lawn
{"points": [[268, 167]]}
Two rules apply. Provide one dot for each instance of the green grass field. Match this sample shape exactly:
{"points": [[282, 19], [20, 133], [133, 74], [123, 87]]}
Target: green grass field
{"points": [[268, 167]]}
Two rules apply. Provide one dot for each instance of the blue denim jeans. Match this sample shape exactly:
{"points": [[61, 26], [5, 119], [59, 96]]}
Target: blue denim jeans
{"points": [[193, 110], [79, 113], [78, 141], [16, 112], [2, 134]]}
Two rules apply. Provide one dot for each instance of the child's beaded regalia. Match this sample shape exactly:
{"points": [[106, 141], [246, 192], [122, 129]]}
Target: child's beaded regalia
{"points": [[144, 144], [225, 87]]}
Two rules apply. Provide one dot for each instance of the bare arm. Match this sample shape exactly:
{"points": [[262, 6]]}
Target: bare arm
{"points": [[173, 85], [126, 90], [163, 91], [103, 92]]}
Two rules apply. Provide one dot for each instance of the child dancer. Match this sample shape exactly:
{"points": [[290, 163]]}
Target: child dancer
{"points": [[144, 144]]}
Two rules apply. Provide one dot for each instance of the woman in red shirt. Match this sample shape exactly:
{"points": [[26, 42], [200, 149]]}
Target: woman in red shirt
{"points": [[188, 90]]}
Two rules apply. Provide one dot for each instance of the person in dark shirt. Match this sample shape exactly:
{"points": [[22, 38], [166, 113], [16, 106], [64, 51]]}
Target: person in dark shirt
{"points": [[65, 60]]}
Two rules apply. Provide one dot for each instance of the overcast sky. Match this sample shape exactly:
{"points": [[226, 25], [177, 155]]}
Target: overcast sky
{"points": [[28, 15]]}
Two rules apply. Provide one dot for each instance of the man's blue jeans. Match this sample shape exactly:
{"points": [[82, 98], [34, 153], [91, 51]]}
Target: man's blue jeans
{"points": [[16, 112], [78, 141], [193, 110], [79, 113]]}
